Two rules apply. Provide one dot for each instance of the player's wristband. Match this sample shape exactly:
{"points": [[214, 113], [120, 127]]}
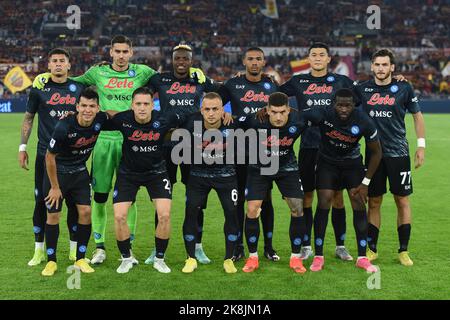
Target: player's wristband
{"points": [[22, 147], [366, 181], [421, 143]]}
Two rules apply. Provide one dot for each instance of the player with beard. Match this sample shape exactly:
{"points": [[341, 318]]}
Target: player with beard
{"points": [[247, 94], [387, 101], [340, 165]]}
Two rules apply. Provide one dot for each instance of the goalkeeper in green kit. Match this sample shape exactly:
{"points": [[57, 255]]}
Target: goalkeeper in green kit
{"points": [[115, 85]]}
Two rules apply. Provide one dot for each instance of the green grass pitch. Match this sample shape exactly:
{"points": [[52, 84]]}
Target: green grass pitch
{"points": [[429, 247]]}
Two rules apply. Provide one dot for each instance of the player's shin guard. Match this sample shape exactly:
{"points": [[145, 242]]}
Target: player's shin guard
{"points": [[200, 217], [360, 225], [83, 235], [296, 231], [124, 248], [320, 226], [161, 247], [99, 223], [308, 214], [240, 219], [51, 240], [72, 220], [252, 233], [131, 220], [189, 230], [39, 220], [404, 233], [372, 237], [267, 219], [339, 225]]}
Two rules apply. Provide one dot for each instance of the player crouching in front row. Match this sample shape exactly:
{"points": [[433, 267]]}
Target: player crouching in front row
{"points": [[72, 142]]}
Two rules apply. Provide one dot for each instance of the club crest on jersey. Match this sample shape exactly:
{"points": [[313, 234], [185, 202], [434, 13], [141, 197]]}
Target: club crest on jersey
{"points": [[131, 73], [355, 130], [330, 79], [97, 127], [267, 85], [293, 129], [394, 88], [156, 124], [73, 88]]}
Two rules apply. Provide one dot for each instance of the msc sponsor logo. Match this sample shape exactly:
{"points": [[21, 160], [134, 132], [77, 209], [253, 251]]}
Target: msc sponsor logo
{"points": [[318, 102], [181, 102], [119, 97], [380, 114]]}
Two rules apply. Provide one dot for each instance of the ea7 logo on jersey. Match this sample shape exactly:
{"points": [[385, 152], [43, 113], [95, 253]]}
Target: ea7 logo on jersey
{"points": [[328, 124], [240, 86], [368, 90]]}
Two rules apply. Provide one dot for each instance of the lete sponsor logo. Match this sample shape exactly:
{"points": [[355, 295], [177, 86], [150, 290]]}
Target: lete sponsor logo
{"points": [[115, 83], [57, 99], [315, 89], [377, 99], [251, 96], [139, 135], [176, 87]]}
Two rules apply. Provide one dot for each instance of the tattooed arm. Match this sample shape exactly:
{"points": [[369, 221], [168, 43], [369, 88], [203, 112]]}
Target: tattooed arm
{"points": [[27, 126]]}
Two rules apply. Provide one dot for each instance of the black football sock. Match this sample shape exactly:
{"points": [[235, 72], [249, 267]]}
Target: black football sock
{"points": [[372, 237], [308, 214], [360, 225], [51, 240], [200, 217], [252, 233], [82, 236], [161, 247], [404, 233], [267, 219], [124, 248], [295, 233], [320, 226], [339, 225]]}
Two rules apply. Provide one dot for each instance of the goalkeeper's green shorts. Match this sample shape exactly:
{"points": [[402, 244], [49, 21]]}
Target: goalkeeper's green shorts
{"points": [[105, 162]]}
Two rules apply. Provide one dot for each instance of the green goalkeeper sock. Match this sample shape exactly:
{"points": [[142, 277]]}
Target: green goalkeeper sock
{"points": [[131, 220], [99, 222]]}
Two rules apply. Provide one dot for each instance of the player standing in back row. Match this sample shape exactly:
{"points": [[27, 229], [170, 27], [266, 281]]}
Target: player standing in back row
{"points": [[247, 94], [387, 101], [60, 97], [316, 90]]}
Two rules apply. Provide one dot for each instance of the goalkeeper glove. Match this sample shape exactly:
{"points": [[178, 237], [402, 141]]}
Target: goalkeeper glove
{"points": [[197, 74], [40, 80]]}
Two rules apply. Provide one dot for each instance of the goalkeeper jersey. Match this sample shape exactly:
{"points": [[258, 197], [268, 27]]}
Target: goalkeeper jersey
{"points": [[115, 88]]}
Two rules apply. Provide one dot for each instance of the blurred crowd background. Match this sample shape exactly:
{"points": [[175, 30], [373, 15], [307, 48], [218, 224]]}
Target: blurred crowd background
{"points": [[218, 31]]}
